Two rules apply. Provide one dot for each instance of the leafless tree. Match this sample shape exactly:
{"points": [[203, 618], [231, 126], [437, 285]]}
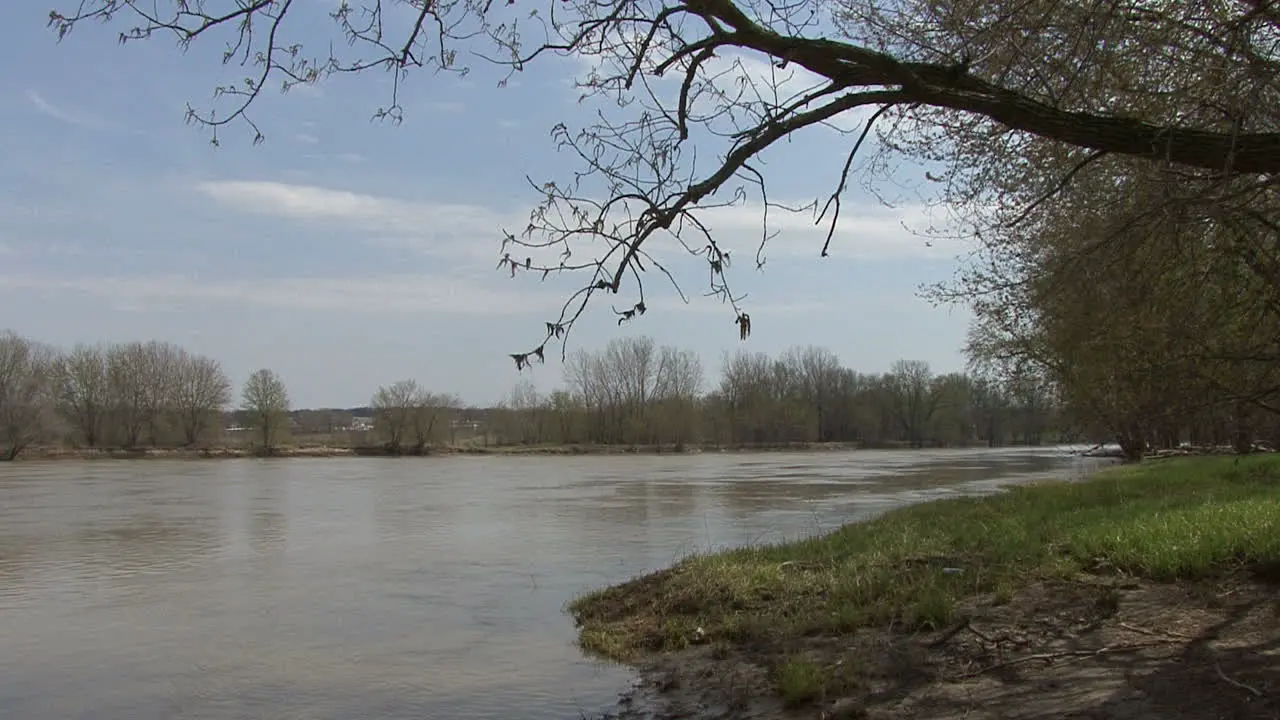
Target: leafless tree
{"points": [[432, 413], [127, 379], [158, 374], [524, 413], [678, 385], [914, 397], [266, 400], [27, 374], [201, 390], [394, 409], [84, 392], [1012, 97]]}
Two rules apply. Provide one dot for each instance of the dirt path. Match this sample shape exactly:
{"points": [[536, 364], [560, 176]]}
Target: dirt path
{"points": [[1093, 648]]}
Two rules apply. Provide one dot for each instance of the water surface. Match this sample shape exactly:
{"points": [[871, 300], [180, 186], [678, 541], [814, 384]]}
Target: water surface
{"points": [[366, 589]]}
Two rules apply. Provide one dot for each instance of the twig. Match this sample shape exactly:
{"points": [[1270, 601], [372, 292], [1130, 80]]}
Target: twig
{"points": [[1058, 187], [958, 628], [982, 635], [950, 633], [1155, 633], [1066, 654], [1249, 688]]}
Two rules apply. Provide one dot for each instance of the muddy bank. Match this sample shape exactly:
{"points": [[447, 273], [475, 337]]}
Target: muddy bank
{"points": [[1089, 647]]}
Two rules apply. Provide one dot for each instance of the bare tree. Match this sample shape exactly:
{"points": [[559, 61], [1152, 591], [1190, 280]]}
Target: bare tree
{"points": [[27, 374], [84, 392], [200, 392], [266, 400], [1014, 96], [677, 387], [432, 414], [158, 374], [914, 397], [127, 379], [394, 408]]}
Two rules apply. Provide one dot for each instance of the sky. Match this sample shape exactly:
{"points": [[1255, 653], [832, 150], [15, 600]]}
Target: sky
{"points": [[346, 253]]}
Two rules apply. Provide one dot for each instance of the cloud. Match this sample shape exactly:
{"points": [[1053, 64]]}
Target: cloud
{"points": [[452, 229], [312, 90], [669, 302], [42, 105], [863, 232], [866, 231], [402, 293], [307, 139], [446, 106]]}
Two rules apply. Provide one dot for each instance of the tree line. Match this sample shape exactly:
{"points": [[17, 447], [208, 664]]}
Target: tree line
{"points": [[125, 395], [636, 392], [632, 392]]}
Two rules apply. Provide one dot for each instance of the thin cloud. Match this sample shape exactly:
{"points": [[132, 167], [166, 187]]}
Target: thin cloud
{"points": [[45, 107], [866, 231], [863, 232], [472, 232], [306, 138], [402, 293], [446, 106], [700, 305]]}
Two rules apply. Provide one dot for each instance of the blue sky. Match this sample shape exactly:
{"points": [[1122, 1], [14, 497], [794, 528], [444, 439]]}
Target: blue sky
{"points": [[345, 253]]}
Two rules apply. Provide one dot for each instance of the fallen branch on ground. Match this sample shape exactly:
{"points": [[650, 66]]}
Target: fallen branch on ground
{"points": [[1230, 681], [1110, 650]]}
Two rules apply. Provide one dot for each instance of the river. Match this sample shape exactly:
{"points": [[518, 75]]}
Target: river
{"points": [[367, 589]]}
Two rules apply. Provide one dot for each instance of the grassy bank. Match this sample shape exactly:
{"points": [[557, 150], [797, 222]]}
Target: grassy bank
{"points": [[1166, 520]]}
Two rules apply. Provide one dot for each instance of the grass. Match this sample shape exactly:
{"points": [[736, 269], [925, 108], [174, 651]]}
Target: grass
{"points": [[801, 681], [1166, 520]]}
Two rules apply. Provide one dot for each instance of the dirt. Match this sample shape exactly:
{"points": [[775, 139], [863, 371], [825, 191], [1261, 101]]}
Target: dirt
{"points": [[1090, 648]]}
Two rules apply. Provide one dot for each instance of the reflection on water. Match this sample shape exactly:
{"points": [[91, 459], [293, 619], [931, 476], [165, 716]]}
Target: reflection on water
{"points": [[381, 588]]}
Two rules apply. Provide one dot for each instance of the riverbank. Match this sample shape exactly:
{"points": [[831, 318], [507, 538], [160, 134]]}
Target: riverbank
{"points": [[1145, 591], [338, 451]]}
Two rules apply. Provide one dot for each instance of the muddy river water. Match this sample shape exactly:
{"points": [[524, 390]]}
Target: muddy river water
{"points": [[363, 589]]}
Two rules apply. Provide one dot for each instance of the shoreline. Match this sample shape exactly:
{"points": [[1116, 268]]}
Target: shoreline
{"points": [[1143, 591], [47, 454]]}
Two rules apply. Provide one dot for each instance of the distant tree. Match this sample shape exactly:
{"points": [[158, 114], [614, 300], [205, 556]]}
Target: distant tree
{"points": [[432, 414], [266, 401], [913, 397], [200, 392], [394, 407], [84, 391], [160, 364], [27, 374], [127, 382]]}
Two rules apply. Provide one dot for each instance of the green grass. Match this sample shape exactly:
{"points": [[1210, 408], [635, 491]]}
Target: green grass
{"points": [[1166, 520], [801, 681]]}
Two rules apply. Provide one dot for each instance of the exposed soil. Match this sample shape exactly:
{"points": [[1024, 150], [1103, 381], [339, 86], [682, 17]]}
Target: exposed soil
{"points": [[1091, 648]]}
